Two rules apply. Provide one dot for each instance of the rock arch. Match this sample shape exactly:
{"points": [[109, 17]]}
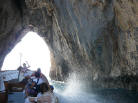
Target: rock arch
{"points": [[75, 32]]}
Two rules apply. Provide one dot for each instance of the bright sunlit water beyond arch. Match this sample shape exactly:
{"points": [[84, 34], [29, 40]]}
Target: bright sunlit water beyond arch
{"points": [[33, 49]]}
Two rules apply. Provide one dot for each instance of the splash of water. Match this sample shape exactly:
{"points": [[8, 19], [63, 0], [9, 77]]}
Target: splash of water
{"points": [[72, 92]]}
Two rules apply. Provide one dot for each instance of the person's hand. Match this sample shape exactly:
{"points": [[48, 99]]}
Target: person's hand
{"points": [[33, 99], [25, 96]]}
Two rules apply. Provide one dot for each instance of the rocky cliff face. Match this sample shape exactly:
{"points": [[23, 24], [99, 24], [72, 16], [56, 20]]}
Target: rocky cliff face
{"points": [[94, 39]]}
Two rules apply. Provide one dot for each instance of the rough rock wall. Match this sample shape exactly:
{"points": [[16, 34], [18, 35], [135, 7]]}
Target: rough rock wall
{"points": [[17, 17], [10, 26], [95, 39]]}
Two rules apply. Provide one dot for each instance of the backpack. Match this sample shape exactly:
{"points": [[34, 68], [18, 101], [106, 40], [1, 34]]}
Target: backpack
{"points": [[31, 92]]}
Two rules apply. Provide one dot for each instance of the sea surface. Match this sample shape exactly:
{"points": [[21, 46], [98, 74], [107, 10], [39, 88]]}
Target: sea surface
{"points": [[72, 93]]}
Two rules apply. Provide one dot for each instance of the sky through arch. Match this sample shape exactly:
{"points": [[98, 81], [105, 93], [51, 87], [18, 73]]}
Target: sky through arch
{"points": [[33, 49]]}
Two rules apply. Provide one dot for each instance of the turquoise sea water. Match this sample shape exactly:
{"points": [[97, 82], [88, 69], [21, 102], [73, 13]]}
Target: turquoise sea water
{"points": [[72, 93]]}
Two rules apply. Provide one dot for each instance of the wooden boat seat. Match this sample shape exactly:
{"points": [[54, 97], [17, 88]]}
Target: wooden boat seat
{"points": [[14, 87]]}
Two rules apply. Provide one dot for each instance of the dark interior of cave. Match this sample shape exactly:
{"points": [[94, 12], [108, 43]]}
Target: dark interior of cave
{"points": [[92, 51]]}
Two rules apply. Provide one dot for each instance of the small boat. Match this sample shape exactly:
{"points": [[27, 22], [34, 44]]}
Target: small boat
{"points": [[10, 81]]}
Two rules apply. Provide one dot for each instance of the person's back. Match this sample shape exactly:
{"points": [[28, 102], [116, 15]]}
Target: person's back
{"points": [[42, 76], [45, 95], [30, 91]]}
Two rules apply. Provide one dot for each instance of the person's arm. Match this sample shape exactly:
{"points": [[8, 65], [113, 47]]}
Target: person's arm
{"points": [[28, 66], [26, 93]]}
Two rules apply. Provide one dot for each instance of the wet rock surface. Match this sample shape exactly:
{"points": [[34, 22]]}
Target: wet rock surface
{"points": [[95, 39]]}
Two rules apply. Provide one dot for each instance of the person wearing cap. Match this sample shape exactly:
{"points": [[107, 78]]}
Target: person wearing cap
{"points": [[39, 77]]}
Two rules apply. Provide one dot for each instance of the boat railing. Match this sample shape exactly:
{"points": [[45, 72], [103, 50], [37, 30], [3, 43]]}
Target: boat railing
{"points": [[9, 74]]}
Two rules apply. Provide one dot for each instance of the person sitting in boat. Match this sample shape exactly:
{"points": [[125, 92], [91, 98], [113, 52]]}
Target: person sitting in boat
{"points": [[30, 91], [45, 95], [25, 80], [40, 77]]}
